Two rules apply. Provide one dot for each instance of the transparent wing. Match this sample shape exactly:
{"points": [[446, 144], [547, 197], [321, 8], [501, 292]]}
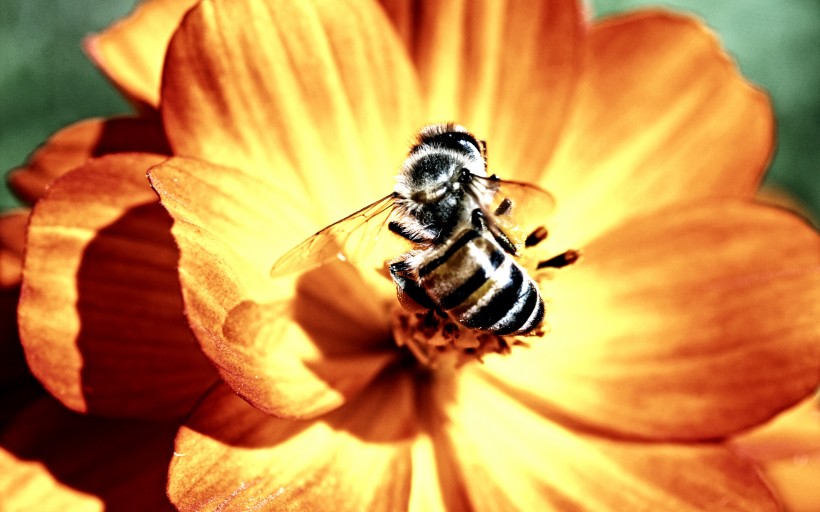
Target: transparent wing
{"points": [[358, 237], [517, 208]]}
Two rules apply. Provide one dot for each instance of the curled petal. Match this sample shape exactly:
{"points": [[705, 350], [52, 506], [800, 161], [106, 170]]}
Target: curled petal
{"points": [[513, 459], [292, 348], [504, 69], [320, 97], [53, 459], [661, 115], [101, 315], [232, 456], [74, 145], [685, 324], [302, 360], [131, 52]]}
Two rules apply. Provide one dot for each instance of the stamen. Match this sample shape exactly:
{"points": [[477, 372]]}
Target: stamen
{"points": [[504, 207], [536, 237], [560, 261], [435, 340]]}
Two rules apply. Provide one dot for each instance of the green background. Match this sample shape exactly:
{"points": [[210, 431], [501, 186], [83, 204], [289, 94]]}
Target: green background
{"points": [[46, 82]]}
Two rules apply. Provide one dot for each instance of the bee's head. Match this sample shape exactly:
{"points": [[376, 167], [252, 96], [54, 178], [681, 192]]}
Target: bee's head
{"points": [[432, 180], [444, 156]]}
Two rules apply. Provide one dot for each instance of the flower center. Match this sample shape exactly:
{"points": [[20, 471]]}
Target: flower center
{"points": [[435, 339]]}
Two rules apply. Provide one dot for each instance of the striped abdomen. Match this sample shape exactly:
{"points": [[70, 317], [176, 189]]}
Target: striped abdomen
{"points": [[471, 278]]}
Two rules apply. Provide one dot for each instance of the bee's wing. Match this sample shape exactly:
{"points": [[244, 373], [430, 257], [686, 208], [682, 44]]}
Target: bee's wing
{"points": [[516, 207], [353, 238]]}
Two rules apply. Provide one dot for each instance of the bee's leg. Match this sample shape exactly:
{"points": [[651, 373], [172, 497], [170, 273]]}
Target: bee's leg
{"points": [[405, 233], [561, 260], [480, 224], [410, 294]]}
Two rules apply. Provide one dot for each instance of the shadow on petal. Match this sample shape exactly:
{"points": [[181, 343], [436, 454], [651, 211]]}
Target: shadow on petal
{"points": [[54, 459], [17, 389], [384, 412], [341, 312], [100, 315], [133, 338], [12, 361]]}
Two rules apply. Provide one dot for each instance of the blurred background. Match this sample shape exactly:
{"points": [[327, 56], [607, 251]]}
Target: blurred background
{"points": [[47, 82]]}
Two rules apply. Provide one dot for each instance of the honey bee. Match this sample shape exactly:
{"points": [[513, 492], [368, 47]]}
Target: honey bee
{"points": [[463, 231]]}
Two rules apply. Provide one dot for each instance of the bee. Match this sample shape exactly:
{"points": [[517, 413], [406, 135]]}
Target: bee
{"points": [[463, 232]]}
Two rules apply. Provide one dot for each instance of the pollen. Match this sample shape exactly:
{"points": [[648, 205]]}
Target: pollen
{"points": [[435, 340]]}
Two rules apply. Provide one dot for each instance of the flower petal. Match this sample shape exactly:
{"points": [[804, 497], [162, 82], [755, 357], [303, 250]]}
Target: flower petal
{"points": [[661, 116], [52, 459], [269, 87], [291, 349], [788, 448], [513, 459], [230, 455], [685, 324], [74, 145], [100, 311], [131, 52], [12, 240], [504, 69]]}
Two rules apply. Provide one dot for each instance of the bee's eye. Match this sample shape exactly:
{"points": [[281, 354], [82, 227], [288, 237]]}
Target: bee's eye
{"points": [[464, 140], [458, 141]]}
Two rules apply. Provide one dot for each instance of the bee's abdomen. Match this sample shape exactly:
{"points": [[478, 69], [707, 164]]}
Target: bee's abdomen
{"points": [[481, 286]]}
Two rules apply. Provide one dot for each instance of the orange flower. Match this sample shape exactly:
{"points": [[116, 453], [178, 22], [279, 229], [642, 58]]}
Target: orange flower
{"points": [[666, 331], [670, 335]]}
